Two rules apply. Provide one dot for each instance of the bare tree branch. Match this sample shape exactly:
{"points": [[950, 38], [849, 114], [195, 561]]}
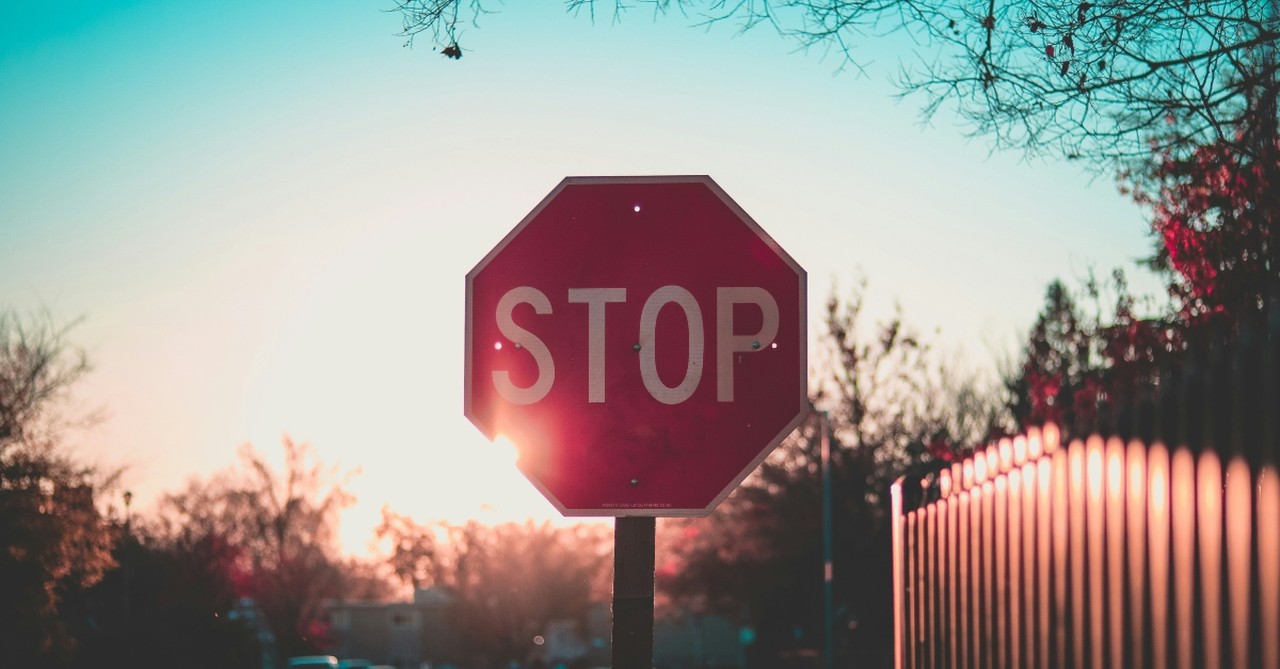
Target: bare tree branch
{"points": [[1101, 81]]}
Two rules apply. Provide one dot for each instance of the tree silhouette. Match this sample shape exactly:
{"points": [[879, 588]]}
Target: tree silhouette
{"points": [[177, 591], [1080, 365], [53, 540], [284, 527], [508, 581], [892, 406], [1216, 221]]}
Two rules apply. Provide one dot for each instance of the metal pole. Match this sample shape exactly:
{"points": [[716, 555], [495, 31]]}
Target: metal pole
{"points": [[828, 647], [633, 557], [128, 585], [128, 535]]}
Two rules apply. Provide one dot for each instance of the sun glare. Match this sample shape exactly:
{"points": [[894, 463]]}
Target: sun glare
{"points": [[508, 448]]}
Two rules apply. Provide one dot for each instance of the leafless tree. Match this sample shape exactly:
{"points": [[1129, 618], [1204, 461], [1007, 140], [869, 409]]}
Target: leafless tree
{"points": [[37, 369]]}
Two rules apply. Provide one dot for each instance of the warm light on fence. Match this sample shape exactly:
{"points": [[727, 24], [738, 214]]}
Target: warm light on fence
{"points": [[1209, 531], [1158, 558], [1050, 435], [1044, 472], [1114, 530], [1096, 524], [1268, 492], [1238, 489], [1182, 505], [1104, 553], [1136, 549], [1077, 517]]}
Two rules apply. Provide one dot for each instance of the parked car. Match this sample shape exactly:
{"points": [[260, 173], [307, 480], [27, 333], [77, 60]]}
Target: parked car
{"points": [[314, 662]]}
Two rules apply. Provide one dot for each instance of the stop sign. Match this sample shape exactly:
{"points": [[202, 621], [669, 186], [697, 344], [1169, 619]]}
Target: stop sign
{"points": [[641, 341]]}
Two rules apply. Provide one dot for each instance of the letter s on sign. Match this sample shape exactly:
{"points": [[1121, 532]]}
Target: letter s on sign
{"points": [[522, 338]]}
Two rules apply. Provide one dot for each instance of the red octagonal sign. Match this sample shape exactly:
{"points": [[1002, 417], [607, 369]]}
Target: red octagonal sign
{"points": [[642, 342]]}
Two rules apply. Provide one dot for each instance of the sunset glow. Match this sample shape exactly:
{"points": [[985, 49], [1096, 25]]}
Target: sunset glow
{"points": [[265, 222]]}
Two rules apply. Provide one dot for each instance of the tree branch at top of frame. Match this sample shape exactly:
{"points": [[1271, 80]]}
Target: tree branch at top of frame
{"points": [[1098, 81]]}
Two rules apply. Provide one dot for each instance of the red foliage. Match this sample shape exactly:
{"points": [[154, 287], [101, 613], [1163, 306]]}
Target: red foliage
{"points": [[1087, 398], [1043, 389], [1215, 219], [1076, 367], [1215, 215], [942, 450]]}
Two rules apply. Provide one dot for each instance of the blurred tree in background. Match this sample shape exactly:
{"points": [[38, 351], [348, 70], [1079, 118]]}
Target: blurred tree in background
{"points": [[1082, 362], [892, 405], [1215, 212], [1215, 216], [54, 542], [508, 581], [192, 578], [166, 605], [282, 527]]}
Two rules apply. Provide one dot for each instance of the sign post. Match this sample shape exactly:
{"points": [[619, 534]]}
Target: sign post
{"points": [[642, 341], [633, 556]]}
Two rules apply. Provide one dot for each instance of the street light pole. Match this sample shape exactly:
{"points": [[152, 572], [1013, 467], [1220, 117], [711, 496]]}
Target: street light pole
{"points": [[128, 535], [828, 647]]}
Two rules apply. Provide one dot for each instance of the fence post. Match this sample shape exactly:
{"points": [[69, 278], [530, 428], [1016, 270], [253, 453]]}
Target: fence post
{"points": [[895, 496]]}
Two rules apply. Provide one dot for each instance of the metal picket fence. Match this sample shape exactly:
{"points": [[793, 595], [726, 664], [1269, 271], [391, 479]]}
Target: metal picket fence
{"points": [[1135, 550]]}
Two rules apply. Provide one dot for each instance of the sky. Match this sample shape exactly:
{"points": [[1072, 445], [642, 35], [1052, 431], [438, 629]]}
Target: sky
{"points": [[264, 212]]}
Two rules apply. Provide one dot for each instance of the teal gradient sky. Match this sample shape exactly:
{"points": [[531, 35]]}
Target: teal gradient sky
{"points": [[264, 212]]}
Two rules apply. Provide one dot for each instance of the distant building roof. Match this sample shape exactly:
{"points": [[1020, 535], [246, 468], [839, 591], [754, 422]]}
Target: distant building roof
{"points": [[432, 597]]}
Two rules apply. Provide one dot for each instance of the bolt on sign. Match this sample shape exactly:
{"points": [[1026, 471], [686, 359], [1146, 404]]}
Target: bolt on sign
{"points": [[641, 340]]}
